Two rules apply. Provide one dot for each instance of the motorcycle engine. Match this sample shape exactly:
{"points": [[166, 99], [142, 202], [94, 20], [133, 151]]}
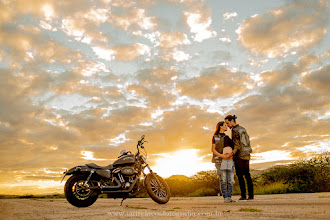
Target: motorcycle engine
{"points": [[126, 175]]}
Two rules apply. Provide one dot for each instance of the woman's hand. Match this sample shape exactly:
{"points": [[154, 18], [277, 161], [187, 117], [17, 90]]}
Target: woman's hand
{"points": [[228, 156]]}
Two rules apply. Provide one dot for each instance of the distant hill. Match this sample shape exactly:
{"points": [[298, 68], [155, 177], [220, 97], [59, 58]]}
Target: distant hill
{"points": [[178, 177], [29, 196]]}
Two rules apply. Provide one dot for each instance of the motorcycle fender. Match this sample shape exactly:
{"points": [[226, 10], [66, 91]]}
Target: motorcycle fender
{"points": [[145, 177], [74, 170]]}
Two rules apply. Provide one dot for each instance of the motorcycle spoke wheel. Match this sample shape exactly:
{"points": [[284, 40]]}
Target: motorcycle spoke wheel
{"points": [[77, 194], [158, 189], [80, 191]]}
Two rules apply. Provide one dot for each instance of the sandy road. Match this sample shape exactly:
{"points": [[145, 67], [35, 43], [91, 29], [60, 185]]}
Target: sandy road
{"points": [[284, 206]]}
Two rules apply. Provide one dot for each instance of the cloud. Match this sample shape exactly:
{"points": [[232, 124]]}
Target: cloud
{"points": [[6, 14], [159, 76], [279, 122], [169, 42], [282, 76], [318, 80], [176, 55], [89, 68], [173, 39], [120, 3], [216, 83], [155, 96], [181, 124], [297, 26], [199, 22], [103, 53], [133, 20], [286, 115], [229, 15], [26, 44], [83, 25], [130, 52], [42, 8]]}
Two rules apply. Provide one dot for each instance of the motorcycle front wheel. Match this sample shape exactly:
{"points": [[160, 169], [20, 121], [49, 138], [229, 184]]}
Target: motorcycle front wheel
{"points": [[157, 190], [77, 194]]}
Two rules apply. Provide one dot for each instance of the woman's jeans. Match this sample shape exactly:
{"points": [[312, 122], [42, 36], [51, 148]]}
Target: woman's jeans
{"points": [[226, 180]]}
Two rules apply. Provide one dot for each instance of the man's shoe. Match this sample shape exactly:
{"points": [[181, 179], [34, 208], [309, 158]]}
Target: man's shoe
{"points": [[227, 200], [242, 199], [250, 199]]}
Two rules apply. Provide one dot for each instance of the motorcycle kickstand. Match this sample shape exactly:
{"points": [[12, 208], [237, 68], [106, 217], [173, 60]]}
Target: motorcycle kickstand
{"points": [[122, 201]]}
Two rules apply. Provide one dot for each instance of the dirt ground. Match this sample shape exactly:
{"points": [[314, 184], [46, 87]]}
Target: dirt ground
{"points": [[281, 206]]}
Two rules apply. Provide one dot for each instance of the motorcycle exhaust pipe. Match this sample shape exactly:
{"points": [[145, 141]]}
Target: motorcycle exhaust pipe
{"points": [[105, 188], [122, 191]]}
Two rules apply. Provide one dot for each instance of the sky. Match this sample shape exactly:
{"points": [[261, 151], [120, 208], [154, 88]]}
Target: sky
{"points": [[81, 80]]}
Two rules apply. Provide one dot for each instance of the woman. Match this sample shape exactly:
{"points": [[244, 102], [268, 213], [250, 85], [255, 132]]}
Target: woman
{"points": [[222, 148]]}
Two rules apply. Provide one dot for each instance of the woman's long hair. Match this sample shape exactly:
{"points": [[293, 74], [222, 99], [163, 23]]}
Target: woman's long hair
{"points": [[218, 127]]}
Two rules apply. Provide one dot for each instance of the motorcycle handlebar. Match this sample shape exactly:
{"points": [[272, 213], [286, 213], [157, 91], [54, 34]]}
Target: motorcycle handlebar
{"points": [[140, 142]]}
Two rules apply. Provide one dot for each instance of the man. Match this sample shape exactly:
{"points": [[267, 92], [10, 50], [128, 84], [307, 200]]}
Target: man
{"points": [[241, 153]]}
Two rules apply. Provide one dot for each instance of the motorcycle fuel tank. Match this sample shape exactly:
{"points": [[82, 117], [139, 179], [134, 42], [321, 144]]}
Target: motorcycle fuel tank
{"points": [[127, 159]]}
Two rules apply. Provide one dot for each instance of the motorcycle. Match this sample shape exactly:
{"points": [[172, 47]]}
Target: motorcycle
{"points": [[118, 180]]}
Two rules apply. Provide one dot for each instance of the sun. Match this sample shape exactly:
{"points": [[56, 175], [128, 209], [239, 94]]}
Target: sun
{"points": [[183, 162]]}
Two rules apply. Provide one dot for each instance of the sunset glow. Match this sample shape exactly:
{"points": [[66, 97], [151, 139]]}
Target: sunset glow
{"points": [[184, 162]]}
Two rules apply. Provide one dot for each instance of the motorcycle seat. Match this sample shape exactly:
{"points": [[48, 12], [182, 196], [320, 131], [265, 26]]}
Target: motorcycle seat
{"points": [[93, 165]]}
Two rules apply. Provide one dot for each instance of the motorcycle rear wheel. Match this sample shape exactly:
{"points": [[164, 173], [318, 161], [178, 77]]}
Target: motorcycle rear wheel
{"points": [[160, 193], [77, 194]]}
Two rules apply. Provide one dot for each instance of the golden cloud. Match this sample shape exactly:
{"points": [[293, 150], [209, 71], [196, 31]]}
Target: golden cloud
{"points": [[199, 21], [6, 14], [160, 75], [154, 95], [216, 83], [283, 115], [130, 52], [83, 24], [40, 8], [318, 80], [283, 29], [173, 39], [135, 19], [282, 76]]}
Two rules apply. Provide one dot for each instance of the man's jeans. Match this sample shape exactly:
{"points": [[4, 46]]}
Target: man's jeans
{"points": [[226, 178], [243, 169]]}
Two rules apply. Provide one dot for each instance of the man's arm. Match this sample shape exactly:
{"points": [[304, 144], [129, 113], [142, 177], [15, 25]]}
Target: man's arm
{"points": [[236, 142]]}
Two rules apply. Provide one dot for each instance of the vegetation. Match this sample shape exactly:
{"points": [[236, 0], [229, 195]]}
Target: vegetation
{"points": [[311, 175], [249, 210]]}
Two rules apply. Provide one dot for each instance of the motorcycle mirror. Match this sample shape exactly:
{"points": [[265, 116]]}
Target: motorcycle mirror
{"points": [[142, 137], [123, 151]]}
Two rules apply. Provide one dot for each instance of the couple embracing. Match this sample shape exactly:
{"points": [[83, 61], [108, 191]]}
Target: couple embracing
{"points": [[230, 154]]}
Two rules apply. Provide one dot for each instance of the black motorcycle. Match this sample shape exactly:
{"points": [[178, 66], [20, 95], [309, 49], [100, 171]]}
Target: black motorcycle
{"points": [[118, 180]]}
